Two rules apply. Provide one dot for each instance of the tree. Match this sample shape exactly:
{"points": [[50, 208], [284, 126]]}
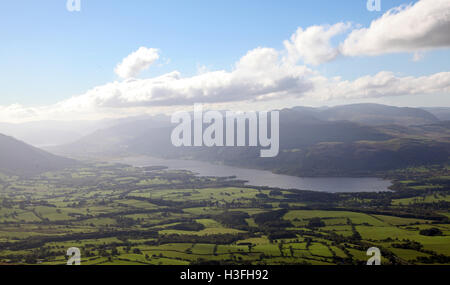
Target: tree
{"points": [[431, 232], [316, 223]]}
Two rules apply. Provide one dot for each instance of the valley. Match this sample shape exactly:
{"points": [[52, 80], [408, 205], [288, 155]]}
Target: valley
{"points": [[118, 214], [363, 140], [223, 141], [127, 196]]}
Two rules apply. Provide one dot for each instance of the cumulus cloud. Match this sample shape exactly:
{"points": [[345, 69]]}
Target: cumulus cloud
{"points": [[383, 84], [312, 45], [265, 74], [413, 28], [408, 28], [258, 74], [136, 62]]}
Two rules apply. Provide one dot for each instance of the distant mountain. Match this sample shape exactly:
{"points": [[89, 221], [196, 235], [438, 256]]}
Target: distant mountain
{"points": [[53, 133], [320, 149], [297, 129], [376, 115], [442, 113], [437, 132], [345, 140], [19, 158], [46, 133], [308, 125], [111, 140]]}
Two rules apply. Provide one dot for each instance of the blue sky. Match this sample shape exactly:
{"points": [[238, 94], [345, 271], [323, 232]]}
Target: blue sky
{"points": [[49, 54]]}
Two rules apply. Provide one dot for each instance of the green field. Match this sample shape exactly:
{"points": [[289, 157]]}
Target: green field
{"points": [[124, 215]]}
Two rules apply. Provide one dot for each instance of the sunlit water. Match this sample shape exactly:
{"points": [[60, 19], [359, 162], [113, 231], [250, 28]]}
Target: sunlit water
{"points": [[266, 178]]}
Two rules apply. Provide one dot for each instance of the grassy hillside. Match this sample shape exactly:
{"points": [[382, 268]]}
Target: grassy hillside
{"points": [[18, 158], [124, 215]]}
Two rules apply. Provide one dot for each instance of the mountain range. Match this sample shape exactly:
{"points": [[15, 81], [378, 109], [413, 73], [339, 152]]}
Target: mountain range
{"points": [[19, 158], [358, 139]]}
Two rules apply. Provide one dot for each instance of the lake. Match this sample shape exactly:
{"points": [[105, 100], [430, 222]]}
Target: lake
{"points": [[266, 178]]}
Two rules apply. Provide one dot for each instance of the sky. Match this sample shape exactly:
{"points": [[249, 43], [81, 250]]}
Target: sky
{"points": [[121, 58]]}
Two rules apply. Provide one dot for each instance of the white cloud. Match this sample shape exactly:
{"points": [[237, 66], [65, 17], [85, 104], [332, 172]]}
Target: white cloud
{"points": [[136, 62], [263, 74], [383, 84], [258, 74], [413, 28], [259, 77], [408, 28], [312, 45]]}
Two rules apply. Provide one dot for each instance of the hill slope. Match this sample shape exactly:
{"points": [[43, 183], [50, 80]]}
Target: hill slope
{"points": [[442, 113], [376, 114], [19, 158], [313, 141]]}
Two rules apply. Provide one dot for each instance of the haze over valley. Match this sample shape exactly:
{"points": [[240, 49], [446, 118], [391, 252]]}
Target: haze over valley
{"points": [[254, 132]]}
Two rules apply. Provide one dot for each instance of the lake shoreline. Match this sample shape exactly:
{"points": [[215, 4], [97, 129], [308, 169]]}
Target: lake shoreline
{"points": [[260, 178]]}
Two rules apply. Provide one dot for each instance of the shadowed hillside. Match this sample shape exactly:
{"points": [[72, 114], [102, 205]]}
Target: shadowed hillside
{"points": [[18, 158], [338, 141]]}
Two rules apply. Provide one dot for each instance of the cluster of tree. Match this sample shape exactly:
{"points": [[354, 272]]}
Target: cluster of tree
{"points": [[409, 244], [188, 226], [315, 223], [281, 234], [233, 219], [431, 232], [266, 217], [434, 259], [211, 239], [39, 241]]}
